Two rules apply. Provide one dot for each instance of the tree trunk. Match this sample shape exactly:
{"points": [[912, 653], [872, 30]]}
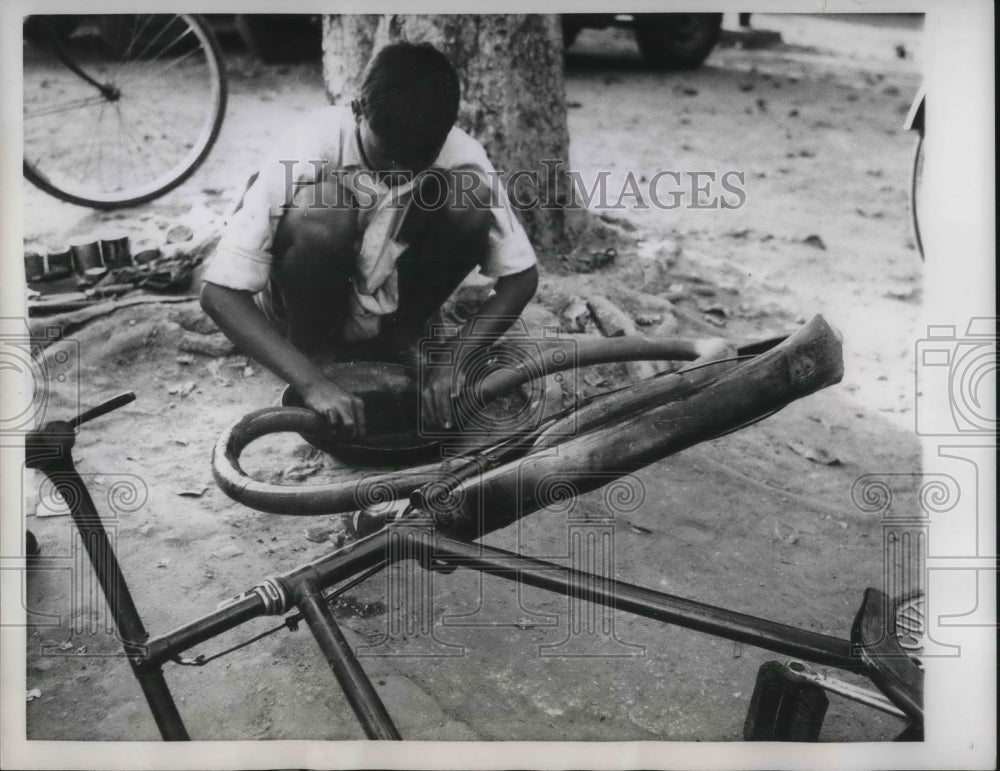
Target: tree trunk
{"points": [[513, 96]]}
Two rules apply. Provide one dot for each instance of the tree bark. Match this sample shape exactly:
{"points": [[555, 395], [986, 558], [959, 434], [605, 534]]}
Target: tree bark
{"points": [[513, 97]]}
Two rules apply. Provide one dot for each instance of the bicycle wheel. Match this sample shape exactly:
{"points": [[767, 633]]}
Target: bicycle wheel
{"points": [[118, 110], [916, 193]]}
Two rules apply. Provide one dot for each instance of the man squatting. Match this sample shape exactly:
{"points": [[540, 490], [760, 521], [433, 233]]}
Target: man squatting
{"points": [[348, 262]]}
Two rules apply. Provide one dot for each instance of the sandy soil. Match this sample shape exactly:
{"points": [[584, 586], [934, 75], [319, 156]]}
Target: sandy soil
{"points": [[745, 522]]}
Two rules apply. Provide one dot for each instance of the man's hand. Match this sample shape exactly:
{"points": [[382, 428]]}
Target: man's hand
{"points": [[242, 321], [440, 392], [338, 406]]}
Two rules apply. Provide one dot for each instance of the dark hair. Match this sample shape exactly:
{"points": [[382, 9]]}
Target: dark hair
{"points": [[409, 96]]}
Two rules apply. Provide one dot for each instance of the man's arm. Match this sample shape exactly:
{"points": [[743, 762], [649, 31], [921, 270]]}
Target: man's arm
{"points": [[511, 294], [243, 322]]}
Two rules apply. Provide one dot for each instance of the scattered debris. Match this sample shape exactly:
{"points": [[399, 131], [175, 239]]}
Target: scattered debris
{"points": [[191, 317], [611, 320], [192, 493], [689, 91], [594, 380], [146, 529], [66, 646], [318, 534], [182, 389], [614, 322], [905, 295], [575, 315], [163, 562], [666, 250], [791, 539], [815, 454], [215, 345], [214, 368], [33, 694], [737, 651], [179, 234], [227, 552], [620, 222], [814, 240], [301, 471], [648, 319], [669, 327], [715, 310], [639, 529], [184, 359]]}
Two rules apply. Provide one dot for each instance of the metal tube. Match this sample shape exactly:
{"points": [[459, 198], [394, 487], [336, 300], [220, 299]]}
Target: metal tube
{"points": [[161, 649], [326, 571], [116, 593], [358, 689], [759, 632]]}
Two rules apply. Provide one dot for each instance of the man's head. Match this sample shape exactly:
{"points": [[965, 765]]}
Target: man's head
{"points": [[407, 105]]}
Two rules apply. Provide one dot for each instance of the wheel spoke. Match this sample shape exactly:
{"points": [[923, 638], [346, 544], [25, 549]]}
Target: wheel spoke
{"points": [[74, 105], [159, 34], [173, 63], [95, 138]]}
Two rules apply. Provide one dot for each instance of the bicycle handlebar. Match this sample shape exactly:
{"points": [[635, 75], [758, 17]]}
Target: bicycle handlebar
{"points": [[55, 439]]}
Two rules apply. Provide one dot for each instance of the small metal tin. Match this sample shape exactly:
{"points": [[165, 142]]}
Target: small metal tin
{"points": [[59, 261], [34, 266], [115, 249], [86, 254]]}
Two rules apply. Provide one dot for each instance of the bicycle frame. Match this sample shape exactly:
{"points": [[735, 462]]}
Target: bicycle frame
{"points": [[443, 544]]}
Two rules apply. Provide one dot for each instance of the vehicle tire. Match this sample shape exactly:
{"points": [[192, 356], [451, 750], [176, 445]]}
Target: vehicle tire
{"points": [[282, 38], [570, 33], [676, 41]]}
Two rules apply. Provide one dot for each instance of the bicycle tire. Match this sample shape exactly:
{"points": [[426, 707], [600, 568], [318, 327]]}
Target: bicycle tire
{"points": [[183, 170], [916, 181], [788, 378]]}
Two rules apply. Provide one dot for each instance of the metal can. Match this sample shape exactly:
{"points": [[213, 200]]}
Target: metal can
{"points": [[87, 258], [59, 261], [115, 249], [34, 266]]}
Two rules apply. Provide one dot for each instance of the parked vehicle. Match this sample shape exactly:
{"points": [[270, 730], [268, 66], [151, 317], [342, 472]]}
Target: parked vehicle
{"points": [[669, 41]]}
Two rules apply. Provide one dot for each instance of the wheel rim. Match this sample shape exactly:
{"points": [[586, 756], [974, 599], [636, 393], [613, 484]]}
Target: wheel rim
{"points": [[145, 133]]}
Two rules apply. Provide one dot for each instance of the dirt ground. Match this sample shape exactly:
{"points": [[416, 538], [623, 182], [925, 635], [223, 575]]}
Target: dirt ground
{"points": [[745, 522]]}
